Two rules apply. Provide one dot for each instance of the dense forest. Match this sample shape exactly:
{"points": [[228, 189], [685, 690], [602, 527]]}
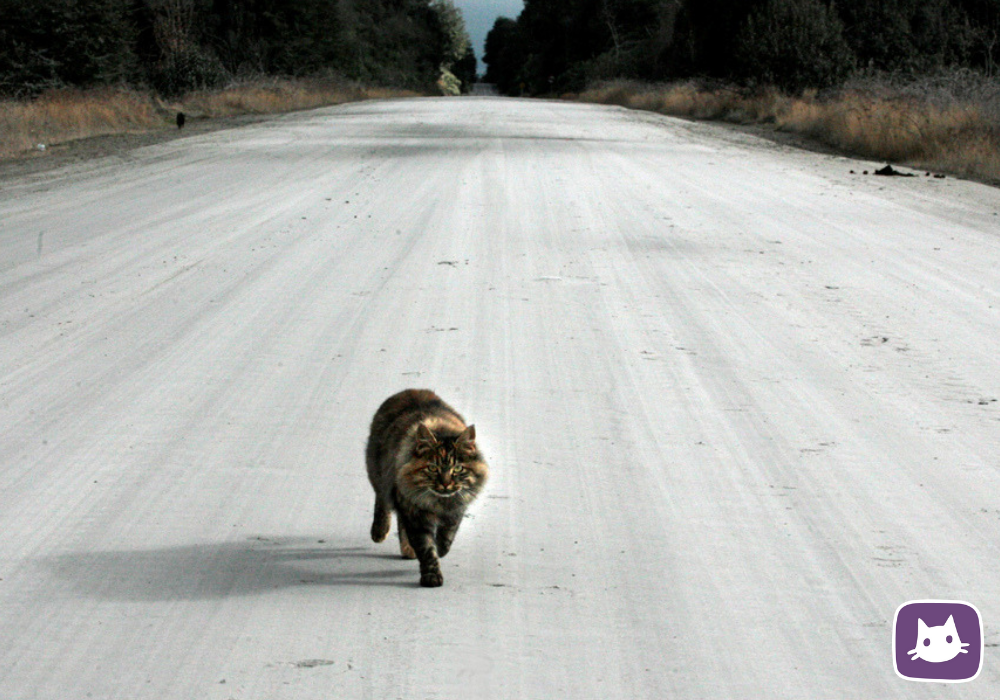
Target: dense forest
{"points": [[561, 45], [174, 46]]}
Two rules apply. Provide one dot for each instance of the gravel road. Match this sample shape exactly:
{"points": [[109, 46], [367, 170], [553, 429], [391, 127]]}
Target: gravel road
{"points": [[739, 405]]}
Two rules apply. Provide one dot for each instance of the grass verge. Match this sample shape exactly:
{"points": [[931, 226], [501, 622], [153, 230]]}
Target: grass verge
{"points": [[947, 124], [65, 115], [30, 126]]}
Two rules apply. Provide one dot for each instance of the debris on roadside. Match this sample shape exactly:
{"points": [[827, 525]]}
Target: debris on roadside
{"points": [[890, 171]]}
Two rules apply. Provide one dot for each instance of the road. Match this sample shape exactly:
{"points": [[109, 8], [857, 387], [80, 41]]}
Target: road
{"points": [[739, 403]]}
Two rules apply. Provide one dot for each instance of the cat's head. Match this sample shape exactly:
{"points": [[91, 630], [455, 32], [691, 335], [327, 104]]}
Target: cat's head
{"points": [[446, 465], [938, 644]]}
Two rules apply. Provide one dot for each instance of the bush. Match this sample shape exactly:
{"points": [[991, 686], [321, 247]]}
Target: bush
{"points": [[187, 70], [448, 84], [50, 44], [794, 44], [948, 122]]}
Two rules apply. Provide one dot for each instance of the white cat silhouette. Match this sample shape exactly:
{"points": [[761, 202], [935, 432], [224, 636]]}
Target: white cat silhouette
{"points": [[938, 644]]}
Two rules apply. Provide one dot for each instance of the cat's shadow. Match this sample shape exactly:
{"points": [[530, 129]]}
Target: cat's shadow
{"points": [[254, 566]]}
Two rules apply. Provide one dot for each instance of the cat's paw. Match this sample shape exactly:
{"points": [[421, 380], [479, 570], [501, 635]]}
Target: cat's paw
{"points": [[407, 551], [380, 528], [432, 579]]}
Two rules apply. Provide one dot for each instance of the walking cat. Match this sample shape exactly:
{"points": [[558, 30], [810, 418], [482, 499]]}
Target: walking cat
{"points": [[424, 464]]}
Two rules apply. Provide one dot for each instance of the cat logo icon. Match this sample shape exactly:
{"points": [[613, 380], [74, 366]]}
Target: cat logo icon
{"points": [[937, 641]]}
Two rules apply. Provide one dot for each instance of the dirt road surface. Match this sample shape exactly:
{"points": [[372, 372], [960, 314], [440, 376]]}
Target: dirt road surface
{"points": [[739, 403]]}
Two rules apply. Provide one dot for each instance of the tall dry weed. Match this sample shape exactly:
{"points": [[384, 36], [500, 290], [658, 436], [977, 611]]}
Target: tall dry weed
{"points": [[689, 99], [278, 95], [949, 124], [65, 115], [956, 138]]}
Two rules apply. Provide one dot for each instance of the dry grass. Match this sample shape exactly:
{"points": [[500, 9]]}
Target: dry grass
{"points": [[65, 115], [72, 114], [277, 96], [924, 128], [955, 138], [688, 100]]}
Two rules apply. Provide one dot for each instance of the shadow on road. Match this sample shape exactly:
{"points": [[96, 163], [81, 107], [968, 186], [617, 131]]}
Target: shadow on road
{"points": [[256, 566]]}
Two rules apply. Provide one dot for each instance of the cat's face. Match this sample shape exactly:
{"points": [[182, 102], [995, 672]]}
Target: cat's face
{"points": [[937, 644], [446, 466]]}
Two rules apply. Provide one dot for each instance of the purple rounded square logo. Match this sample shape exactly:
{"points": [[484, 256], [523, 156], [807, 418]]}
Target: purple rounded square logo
{"points": [[937, 641]]}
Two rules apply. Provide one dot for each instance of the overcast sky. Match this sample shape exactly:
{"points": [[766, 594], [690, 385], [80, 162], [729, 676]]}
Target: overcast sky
{"points": [[480, 16]]}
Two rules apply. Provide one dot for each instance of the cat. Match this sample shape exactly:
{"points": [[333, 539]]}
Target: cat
{"points": [[424, 464], [938, 644]]}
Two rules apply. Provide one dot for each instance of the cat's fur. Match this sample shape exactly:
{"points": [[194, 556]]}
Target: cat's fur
{"points": [[423, 464]]}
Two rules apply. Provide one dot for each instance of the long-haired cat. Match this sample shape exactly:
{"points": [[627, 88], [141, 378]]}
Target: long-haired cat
{"points": [[423, 464]]}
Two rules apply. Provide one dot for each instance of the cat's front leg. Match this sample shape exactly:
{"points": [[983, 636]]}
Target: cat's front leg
{"points": [[382, 520], [446, 534], [421, 539]]}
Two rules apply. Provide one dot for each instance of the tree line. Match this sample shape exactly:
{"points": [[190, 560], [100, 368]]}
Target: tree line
{"points": [[561, 45], [174, 46]]}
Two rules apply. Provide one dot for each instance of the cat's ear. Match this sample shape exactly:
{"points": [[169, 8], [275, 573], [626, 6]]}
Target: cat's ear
{"points": [[426, 442], [950, 625], [467, 435], [921, 628], [465, 443]]}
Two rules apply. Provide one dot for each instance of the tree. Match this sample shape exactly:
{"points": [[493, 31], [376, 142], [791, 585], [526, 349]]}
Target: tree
{"points": [[65, 42], [452, 24], [183, 61], [398, 42], [503, 56], [455, 46], [984, 20], [905, 35], [631, 31], [466, 69], [794, 44], [712, 27]]}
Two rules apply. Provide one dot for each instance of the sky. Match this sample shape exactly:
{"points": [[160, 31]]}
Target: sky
{"points": [[480, 16]]}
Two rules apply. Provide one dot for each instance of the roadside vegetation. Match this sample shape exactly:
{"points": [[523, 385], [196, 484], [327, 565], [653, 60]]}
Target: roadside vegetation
{"points": [[76, 68], [948, 123], [906, 81], [60, 116]]}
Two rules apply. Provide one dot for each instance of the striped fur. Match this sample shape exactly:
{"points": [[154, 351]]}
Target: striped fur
{"points": [[423, 464]]}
